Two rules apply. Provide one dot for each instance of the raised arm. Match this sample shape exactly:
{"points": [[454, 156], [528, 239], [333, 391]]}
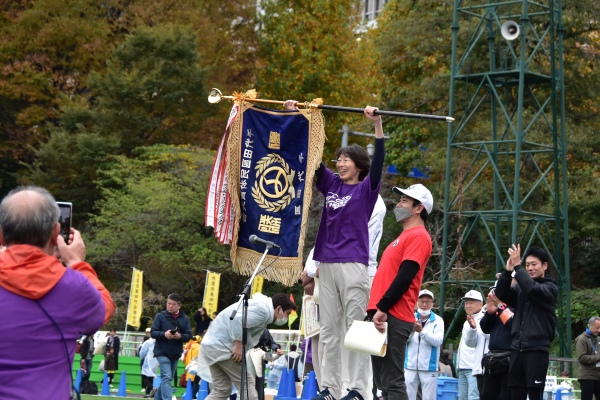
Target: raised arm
{"points": [[379, 156]]}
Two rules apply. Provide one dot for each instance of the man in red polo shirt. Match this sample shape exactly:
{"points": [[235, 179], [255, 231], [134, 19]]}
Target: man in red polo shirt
{"points": [[396, 287]]}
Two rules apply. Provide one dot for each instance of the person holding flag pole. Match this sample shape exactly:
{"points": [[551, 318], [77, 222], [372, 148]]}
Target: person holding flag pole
{"points": [[343, 256]]}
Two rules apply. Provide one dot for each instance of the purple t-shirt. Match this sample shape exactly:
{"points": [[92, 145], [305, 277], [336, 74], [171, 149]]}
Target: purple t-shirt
{"points": [[35, 363], [344, 230]]}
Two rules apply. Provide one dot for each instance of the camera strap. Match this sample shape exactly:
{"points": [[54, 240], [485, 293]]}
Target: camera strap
{"points": [[174, 322], [75, 395]]}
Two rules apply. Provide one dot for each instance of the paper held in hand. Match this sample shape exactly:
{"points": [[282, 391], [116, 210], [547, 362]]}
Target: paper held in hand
{"points": [[365, 338]]}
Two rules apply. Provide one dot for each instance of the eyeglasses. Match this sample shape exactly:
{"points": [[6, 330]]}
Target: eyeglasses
{"points": [[425, 301]]}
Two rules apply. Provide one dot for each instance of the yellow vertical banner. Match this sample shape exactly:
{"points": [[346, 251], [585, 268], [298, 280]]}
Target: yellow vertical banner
{"points": [[293, 315], [257, 284], [134, 310], [211, 292]]}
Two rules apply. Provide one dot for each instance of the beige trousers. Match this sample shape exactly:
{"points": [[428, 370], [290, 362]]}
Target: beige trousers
{"points": [[227, 373], [343, 296]]}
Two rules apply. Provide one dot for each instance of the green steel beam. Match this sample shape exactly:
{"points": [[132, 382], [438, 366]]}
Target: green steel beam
{"points": [[507, 147]]}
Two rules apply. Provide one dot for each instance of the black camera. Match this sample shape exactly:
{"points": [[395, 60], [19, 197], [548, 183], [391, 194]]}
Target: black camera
{"points": [[173, 331]]}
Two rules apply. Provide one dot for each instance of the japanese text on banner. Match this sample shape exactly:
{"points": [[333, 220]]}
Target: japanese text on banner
{"points": [[211, 292], [257, 284], [134, 311]]}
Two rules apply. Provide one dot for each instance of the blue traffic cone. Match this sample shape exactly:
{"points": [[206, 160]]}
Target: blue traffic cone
{"points": [[282, 389], [291, 384], [188, 395], [122, 385], [559, 392], [310, 386], [203, 392], [105, 386], [77, 383], [558, 395]]}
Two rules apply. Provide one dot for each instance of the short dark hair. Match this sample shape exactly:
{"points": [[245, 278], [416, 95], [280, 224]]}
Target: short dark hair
{"points": [[424, 214], [359, 156], [293, 347], [175, 297], [31, 222], [537, 252], [283, 300]]}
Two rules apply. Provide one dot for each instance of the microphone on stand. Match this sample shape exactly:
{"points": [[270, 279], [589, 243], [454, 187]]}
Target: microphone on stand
{"points": [[255, 239]]}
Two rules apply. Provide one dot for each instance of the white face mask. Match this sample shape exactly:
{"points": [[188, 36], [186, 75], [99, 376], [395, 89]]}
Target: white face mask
{"points": [[423, 313], [282, 321]]}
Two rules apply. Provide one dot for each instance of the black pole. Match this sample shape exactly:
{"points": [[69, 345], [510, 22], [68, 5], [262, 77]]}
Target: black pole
{"points": [[215, 96], [383, 112], [244, 389]]}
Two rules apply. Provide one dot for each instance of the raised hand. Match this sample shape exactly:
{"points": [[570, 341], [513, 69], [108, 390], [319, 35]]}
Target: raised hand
{"points": [[514, 257]]}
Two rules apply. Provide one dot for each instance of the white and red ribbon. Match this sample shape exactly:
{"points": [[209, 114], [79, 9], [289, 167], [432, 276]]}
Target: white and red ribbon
{"points": [[219, 213]]}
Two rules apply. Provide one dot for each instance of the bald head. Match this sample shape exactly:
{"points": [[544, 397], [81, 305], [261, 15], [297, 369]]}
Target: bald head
{"points": [[28, 215]]}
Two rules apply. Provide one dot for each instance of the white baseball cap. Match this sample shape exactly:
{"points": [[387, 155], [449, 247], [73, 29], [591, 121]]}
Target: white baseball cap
{"points": [[473, 295], [417, 192], [426, 292]]}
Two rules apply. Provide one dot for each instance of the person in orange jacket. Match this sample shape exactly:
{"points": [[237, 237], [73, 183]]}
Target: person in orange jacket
{"points": [[191, 366]]}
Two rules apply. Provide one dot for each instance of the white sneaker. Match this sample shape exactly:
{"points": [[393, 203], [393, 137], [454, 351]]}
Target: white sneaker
{"points": [[143, 391], [173, 398]]}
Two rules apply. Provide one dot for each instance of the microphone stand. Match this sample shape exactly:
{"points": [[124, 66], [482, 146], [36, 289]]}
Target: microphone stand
{"points": [[244, 297]]}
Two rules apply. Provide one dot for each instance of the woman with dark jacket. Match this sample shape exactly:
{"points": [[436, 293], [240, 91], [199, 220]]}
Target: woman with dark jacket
{"points": [[497, 322], [202, 321]]}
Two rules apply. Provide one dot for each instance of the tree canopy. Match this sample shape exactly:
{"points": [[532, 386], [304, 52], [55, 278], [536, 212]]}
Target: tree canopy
{"points": [[316, 49], [104, 103]]}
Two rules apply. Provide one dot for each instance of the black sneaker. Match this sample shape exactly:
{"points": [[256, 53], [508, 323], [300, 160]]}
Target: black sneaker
{"points": [[352, 395], [324, 395], [151, 394]]}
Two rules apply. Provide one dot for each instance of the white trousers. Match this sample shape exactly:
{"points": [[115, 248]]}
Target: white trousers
{"points": [[428, 381]]}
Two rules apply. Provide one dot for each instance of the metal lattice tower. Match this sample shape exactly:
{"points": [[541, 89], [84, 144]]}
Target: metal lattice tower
{"points": [[506, 153]]}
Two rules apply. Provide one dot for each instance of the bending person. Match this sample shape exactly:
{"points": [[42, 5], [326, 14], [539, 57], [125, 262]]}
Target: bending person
{"points": [[222, 346]]}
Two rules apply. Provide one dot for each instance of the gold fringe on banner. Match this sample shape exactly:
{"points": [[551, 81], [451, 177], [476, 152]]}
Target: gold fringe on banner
{"points": [[286, 269]]}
